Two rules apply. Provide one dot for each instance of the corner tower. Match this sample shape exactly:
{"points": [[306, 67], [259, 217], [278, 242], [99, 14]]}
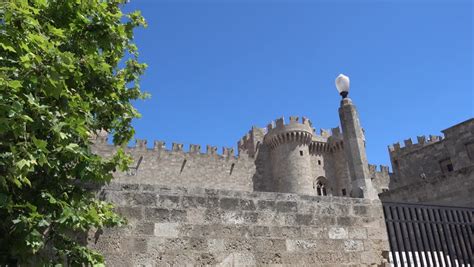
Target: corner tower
{"points": [[354, 144], [289, 155]]}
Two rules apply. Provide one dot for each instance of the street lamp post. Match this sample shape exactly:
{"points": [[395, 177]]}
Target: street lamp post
{"points": [[342, 85], [354, 143]]}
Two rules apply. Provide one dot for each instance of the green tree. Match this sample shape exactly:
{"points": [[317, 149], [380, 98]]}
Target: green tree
{"points": [[68, 70]]}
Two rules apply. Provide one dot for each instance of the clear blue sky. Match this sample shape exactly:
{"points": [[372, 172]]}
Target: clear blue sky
{"points": [[218, 67]]}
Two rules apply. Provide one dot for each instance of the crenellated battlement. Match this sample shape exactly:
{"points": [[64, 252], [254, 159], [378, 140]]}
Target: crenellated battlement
{"points": [[382, 169], [250, 142], [279, 133], [294, 123], [319, 147], [409, 146], [326, 134], [336, 133], [432, 156], [175, 165], [285, 156], [176, 148]]}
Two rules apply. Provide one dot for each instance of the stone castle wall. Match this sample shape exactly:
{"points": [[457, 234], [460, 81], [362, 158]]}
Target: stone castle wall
{"points": [[452, 189], [178, 168], [195, 226], [434, 156], [194, 208], [380, 177], [257, 167], [286, 161]]}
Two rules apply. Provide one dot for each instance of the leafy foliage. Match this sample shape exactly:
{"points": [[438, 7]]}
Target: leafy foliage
{"points": [[68, 69]]}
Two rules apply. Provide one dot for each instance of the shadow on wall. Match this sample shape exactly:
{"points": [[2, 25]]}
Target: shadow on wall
{"points": [[261, 180]]}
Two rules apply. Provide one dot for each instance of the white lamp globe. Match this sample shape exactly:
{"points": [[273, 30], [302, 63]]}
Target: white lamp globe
{"points": [[342, 85]]}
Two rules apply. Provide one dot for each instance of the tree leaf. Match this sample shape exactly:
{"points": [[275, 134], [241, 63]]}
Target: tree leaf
{"points": [[7, 48], [61, 78], [14, 84]]}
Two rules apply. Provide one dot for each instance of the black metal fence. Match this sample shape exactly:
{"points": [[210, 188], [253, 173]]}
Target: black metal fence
{"points": [[425, 235]]}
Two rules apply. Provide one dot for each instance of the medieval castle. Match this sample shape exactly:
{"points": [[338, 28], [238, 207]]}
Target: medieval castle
{"points": [[290, 197]]}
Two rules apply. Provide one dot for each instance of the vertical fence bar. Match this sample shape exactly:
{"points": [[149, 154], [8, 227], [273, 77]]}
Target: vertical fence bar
{"points": [[455, 232], [413, 248], [466, 235], [427, 235], [420, 234], [452, 217], [431, 232], [442, 255], [440, 237], [447, 234], [391, 233], [454, 235], [399, 235], [411, 230], [470, 228], [405, 237]]}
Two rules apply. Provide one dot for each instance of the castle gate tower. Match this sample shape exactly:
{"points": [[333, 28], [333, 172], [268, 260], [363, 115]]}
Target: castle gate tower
{"points": [[289, 155], [354, 144]]}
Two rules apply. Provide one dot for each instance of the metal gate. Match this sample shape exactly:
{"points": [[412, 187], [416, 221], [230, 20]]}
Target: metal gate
{"points": [[426, 235]]}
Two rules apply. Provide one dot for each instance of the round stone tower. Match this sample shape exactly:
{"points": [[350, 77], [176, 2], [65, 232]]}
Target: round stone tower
{"points": [[289, 155]]}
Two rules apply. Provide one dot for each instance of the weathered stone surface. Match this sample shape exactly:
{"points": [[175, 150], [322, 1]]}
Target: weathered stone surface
{"points": [[286, 206], [266, 205], [353, 245], [157, 214], [166, 229], [193, 227], [434, 170], [304, 219], [247, 204], [357, 233], [337, 233], [455, 188], [169, 202], [229, 203], [177, 215]]}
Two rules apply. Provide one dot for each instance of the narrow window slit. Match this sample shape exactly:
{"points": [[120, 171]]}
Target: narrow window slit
{"points": [[182, 166], [232, 168]]}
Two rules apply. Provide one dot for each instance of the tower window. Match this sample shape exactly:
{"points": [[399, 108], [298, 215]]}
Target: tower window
{"points": [[232, 168], [301, 152], [319, 162], [449, 167], [470, 150], [320, 186], [321, 189], [344, 192], [446, 165]]}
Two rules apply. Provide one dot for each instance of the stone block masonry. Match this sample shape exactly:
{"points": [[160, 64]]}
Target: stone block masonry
{"points": [[288, 158], [195, 226], [176, 167], [457, 189], [433, 156]]}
